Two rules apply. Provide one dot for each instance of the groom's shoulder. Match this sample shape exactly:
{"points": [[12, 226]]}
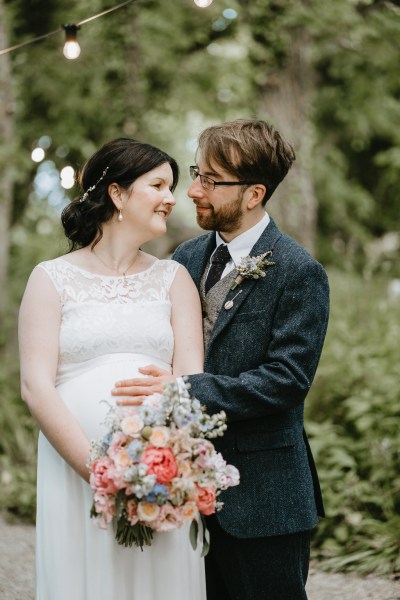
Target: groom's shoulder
{"points": [[186, 249], [294, 257]]}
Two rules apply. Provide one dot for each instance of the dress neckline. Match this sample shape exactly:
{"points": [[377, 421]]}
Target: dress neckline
{"points": [[108, 276]]}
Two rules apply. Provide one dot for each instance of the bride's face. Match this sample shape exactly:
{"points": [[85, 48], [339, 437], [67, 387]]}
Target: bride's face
{"points": [[149, 202]]}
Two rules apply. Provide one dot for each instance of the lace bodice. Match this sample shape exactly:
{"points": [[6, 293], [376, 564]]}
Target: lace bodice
{"points": [[102, 315]]}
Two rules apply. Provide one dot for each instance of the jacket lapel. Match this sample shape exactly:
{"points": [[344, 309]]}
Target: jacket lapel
{"points": [[266, 241], [200, 257]]}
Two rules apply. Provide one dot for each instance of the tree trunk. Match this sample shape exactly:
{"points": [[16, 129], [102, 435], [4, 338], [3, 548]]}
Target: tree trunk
{"points": [[286, 101], [6, 167]]}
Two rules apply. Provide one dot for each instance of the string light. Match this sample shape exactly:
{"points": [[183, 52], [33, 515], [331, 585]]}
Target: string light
{"points": [[63, 28], [203, 3], [71, 48]]}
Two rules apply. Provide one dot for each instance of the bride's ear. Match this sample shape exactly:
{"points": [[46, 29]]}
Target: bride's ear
{"points": [[114, 191]]}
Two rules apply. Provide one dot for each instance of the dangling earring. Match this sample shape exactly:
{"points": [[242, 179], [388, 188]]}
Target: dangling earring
{"points": [[120, 217]]}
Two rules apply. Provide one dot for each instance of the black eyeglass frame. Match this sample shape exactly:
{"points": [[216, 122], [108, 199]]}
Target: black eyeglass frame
{"points": [[194, 173]]}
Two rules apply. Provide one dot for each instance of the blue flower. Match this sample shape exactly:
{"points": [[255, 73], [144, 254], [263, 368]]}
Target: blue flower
{"points": [[158, 494], [107, 439], [135, 449]]}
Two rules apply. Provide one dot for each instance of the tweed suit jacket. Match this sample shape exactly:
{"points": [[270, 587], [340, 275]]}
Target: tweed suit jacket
{"points": [[259, 366]]}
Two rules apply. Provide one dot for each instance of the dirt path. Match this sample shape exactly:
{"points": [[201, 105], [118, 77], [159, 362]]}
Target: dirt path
{"points": [[17, 552]]}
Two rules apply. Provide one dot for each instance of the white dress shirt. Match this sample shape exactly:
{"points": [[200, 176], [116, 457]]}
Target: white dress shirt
{"points": [[241, 245]]}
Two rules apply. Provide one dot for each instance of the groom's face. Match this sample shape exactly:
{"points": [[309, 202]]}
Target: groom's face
{"points": [[220, 209]]}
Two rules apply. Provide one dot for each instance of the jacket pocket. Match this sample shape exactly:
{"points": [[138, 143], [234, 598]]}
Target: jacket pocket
{"points": [[269, 440], [247, 317]]}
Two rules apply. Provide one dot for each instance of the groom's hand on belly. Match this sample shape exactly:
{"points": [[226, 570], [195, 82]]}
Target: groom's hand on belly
{"points": [[132, 392]]}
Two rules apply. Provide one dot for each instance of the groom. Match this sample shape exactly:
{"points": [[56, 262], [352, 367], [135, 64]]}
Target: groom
{"points": [[263, 343]]}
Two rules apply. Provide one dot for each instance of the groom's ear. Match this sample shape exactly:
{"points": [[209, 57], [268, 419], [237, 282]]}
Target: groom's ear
{"points": [[256, 194]]}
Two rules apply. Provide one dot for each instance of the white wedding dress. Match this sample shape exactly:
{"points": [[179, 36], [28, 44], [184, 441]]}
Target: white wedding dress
{"points": [[110, 326]]}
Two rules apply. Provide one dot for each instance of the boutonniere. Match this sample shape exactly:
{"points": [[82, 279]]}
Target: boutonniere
{"points": [[252, 267]]}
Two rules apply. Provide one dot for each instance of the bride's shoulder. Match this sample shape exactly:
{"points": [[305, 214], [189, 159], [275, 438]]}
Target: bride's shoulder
{"points": [[53, 264], [151, 262], [167, 264]]}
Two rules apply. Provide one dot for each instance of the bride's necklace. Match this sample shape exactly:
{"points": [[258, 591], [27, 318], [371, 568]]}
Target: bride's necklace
{"points": [[119, 273]]}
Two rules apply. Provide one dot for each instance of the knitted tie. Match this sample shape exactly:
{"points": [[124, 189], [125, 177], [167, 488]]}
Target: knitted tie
{"points": [[218, 262]]}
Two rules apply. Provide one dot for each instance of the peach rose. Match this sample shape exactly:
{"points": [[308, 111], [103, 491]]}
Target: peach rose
{"points": [[184, 469], [148, 511], [122, 459], [132, 425], [189, 510], [159, 437], [206, 500], [161, 463]]}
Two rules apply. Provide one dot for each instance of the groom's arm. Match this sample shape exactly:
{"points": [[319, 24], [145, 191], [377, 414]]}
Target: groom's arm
{"points": [[285, 373]]}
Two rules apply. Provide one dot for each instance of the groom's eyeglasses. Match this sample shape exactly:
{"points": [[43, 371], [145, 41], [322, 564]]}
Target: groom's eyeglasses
{"points": [[210, 184]]}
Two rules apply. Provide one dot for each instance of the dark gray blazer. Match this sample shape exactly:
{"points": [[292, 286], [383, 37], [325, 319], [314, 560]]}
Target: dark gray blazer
{"points": [[260, 363]]}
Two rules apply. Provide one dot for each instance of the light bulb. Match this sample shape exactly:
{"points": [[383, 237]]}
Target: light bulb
{"points": [[203, 3], [71, 48]]}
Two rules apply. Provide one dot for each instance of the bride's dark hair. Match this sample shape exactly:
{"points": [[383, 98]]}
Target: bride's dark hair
{"points": [[120, 161]]}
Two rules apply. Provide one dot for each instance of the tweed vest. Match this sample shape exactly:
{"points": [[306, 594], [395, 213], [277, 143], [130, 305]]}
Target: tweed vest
{"points": [[213, 300]]}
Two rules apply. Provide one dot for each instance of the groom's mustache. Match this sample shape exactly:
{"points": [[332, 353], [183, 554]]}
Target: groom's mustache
{"points": [[198, 205]]}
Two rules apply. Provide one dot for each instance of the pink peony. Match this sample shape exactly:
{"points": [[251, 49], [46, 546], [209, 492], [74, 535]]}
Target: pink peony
{"points": [[102, 476], [119, 441], [170, 518], [161, 463], [206, 500], [105, 508]]}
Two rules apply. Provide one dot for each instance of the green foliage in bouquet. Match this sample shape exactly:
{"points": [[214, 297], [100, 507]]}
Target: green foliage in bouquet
{"points": [[353, 422]]}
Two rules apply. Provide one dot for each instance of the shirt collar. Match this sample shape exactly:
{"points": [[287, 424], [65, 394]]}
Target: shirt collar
{"points": [[241, 245]]}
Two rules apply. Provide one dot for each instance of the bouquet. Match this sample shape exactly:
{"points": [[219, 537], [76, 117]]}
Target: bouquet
{"points": [[156, 469]]}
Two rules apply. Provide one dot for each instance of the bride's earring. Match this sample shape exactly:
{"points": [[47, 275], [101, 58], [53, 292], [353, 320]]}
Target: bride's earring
{"points": [[120, 217]]}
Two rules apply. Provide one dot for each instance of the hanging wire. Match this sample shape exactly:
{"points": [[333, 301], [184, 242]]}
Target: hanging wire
{"points": [[60, 29]]}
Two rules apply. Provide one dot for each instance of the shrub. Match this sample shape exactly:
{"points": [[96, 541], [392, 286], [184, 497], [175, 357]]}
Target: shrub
{"points": [[352, 419]]}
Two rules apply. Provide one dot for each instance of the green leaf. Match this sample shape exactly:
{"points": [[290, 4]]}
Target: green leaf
{"points": [[193, 533]]}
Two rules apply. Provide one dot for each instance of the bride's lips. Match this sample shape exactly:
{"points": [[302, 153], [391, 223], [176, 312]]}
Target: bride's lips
{"points": [[163, 214]]}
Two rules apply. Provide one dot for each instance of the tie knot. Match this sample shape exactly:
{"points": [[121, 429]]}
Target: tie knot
{"points": [[221, 255]]}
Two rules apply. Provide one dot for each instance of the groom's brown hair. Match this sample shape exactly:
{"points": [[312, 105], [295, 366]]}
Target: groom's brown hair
{"points": [[249, 149]]}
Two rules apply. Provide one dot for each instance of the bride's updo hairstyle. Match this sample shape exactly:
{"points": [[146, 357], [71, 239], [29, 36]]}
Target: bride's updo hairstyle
{"points": [[120, 161]]}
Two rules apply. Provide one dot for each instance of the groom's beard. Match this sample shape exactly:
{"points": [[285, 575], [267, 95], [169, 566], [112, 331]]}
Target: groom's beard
{"points": [[226, 219]]}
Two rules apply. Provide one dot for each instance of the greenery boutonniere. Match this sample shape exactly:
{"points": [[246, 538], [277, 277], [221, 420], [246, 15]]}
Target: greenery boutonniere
{"points": [[252, 267]]}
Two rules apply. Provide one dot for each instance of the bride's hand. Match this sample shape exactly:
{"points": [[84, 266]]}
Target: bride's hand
{"points": [[136, 390]]}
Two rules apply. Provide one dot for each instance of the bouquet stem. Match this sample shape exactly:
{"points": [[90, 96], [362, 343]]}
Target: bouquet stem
{"points": [[128, 535]]}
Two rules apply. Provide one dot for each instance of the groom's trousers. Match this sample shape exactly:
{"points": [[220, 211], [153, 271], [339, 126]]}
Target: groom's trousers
{"points": [[271, 568]]}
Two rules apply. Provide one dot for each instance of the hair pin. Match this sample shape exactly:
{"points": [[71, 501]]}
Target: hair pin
{"points": [[92, 187]]}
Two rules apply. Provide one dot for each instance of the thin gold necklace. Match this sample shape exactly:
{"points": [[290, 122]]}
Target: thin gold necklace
{"points": [[123, 273]]}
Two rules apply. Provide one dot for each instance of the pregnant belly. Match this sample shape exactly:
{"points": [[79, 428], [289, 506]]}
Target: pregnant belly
{"points": [[86, 388]]}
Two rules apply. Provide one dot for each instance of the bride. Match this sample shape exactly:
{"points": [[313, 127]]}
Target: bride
{"points": [[86, 319]]}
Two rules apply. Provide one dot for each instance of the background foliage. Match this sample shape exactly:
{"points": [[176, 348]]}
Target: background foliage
{"points": [[327, 75]]}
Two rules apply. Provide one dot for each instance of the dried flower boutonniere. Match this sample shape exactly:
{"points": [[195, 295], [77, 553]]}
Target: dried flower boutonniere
{"points": [[252, 267]]}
